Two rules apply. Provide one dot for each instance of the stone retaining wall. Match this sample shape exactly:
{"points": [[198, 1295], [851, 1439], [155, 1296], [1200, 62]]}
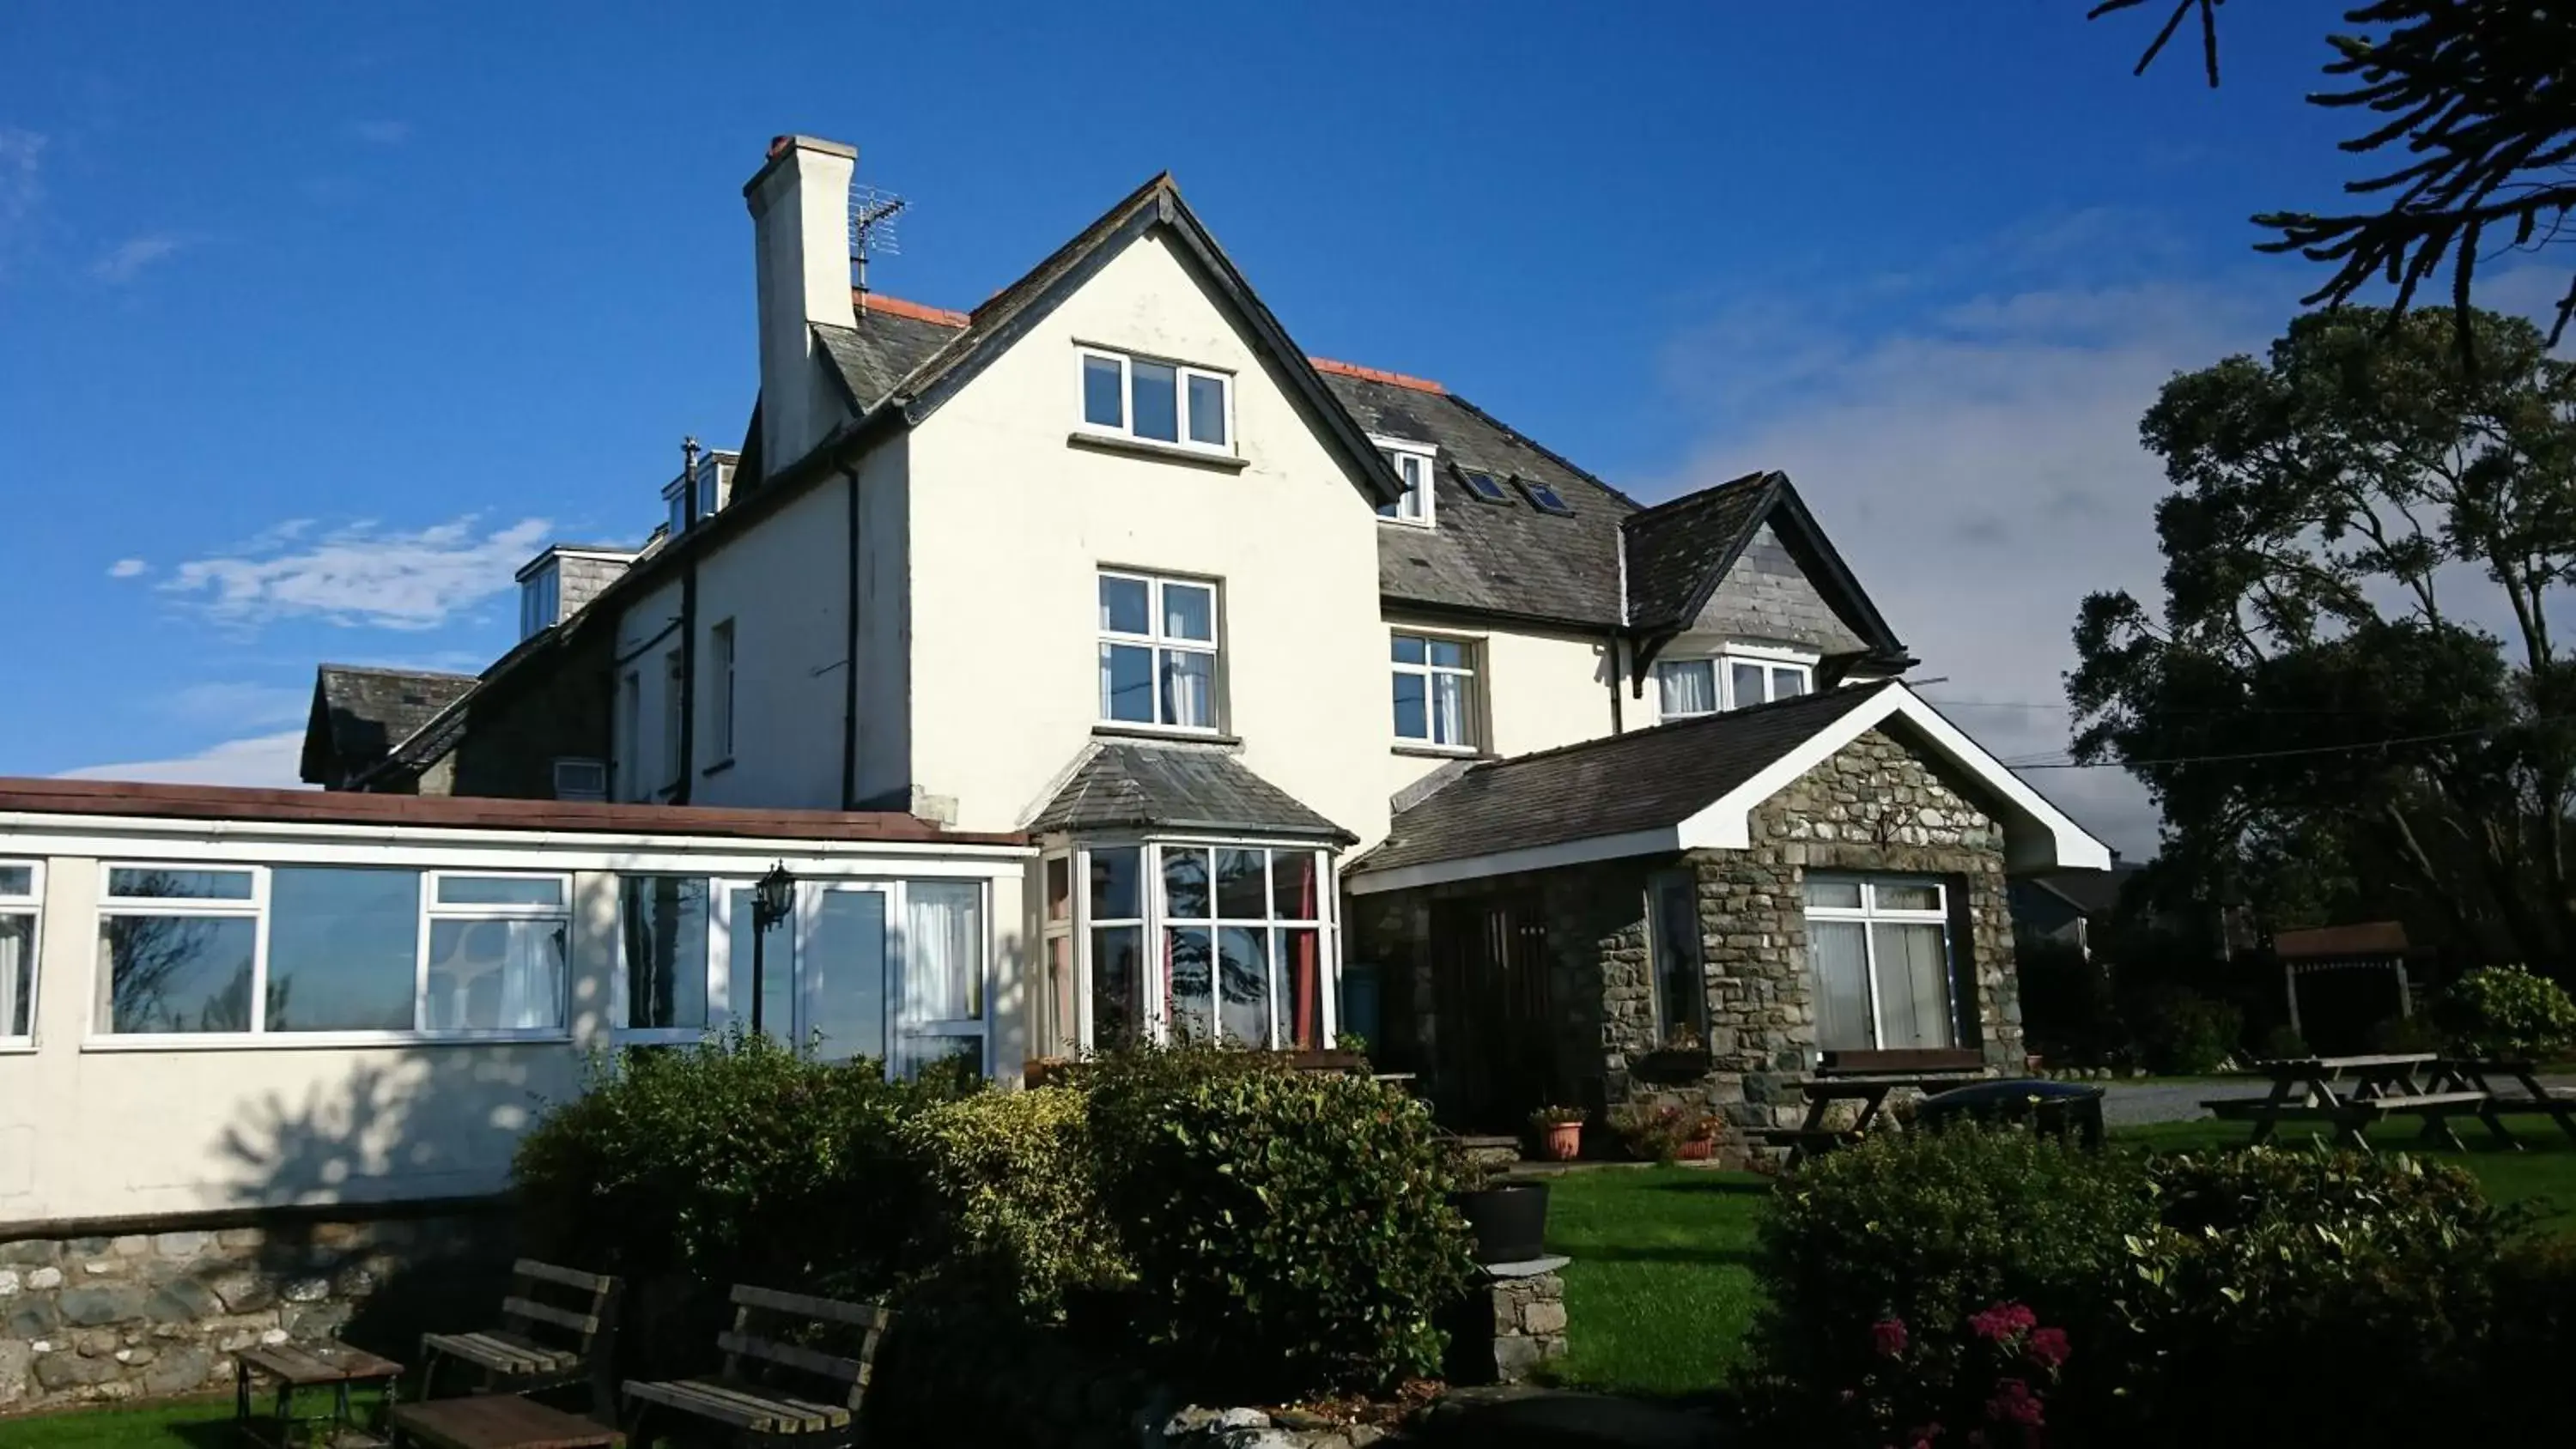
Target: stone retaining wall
{"points": [[149, 1314]]}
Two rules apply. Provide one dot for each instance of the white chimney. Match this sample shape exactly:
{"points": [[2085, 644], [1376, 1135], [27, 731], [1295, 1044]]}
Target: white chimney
{"points": [[800, 220]]}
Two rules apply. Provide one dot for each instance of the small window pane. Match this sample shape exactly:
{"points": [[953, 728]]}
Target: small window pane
{"points": [[1059, 888], [1189, 612], [17, 975], [177, 973], [1117, 985], [1449, 710], [1188, 958], [1913, 985], [1241, 884], [664, 918], [1681, 989], [1448, 653], [943, 957], [1293, 885], [1243, 984], [774, 953], [17, 880], [1748, 684], [1207, 409], [495, 976], [1688, 687], [1299, 951], [1905, 896], [1412, 714], [1788, 683], [1189, 689], [499, 890], [1100, 392], [1185, 882], [1126, 605], [1113, 885], [1839, 954], [194, 885], [1157, 404], [343, 947], [1834, 894], [1127, 683], [1409, 649]]}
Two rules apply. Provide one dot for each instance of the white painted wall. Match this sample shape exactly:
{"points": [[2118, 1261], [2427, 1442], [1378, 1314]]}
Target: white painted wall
{"points": [[1009, 523], [785, 587], [882, 742], [647, 630], [1539, 690]]}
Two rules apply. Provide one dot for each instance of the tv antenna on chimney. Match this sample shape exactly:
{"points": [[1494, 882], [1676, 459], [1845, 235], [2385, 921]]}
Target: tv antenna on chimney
{"points": [[872, 230]]}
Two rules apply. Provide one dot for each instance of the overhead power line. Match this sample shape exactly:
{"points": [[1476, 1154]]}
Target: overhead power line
{"points": [[2281, 754]]}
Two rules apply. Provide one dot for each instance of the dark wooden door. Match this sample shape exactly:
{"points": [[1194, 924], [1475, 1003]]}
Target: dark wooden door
{"points": [[1489, 980]]}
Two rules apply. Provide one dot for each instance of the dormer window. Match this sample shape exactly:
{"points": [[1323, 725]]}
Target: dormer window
{"points": [[675, 496], [1155, 401], [1414, 464], [1736, 679], [540, 599]]}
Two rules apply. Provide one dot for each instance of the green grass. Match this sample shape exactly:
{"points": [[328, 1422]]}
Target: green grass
{"points": [[2542, 1176], [1660, 1292], [197, 1424]]}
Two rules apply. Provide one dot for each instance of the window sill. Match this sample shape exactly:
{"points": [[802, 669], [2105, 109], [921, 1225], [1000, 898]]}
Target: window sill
{"points": [[1163, 452], [1442, 752], [18, 1047], [718, 768], [321, 1041], [1164, 735]]}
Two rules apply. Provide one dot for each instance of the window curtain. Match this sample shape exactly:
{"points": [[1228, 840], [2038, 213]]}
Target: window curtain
{"points": [[495, 975], [1839, 953], [944, 975], [17, 974], [532, 976], [1689, 687], [1913, 984], [1189, 689], [1449, 705]]}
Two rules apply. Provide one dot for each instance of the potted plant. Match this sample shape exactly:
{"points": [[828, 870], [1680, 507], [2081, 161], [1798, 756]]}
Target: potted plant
{"points": [[1507, 1216], [1560, 1132], [1682, 1056], [1667, 1134]]}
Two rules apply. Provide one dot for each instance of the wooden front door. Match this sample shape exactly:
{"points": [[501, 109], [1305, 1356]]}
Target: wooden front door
{"points": [[1494, 1057]]}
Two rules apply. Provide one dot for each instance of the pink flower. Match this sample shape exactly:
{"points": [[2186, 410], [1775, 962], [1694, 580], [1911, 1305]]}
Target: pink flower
{"points": [[2046, 1347], [1888, 1336], [2014, 1403], [2002, 1321]]}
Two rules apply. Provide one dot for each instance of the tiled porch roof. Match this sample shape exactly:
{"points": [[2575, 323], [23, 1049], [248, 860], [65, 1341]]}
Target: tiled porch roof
{"points": [[1147, 787]]}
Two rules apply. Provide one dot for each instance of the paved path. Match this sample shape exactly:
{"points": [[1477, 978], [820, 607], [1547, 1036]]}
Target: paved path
{"points": [[2131, 1104]]}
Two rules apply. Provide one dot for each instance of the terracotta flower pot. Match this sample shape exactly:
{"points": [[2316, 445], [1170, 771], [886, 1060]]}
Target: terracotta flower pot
{"points": [[1562, 1141], [1697, 1149]]}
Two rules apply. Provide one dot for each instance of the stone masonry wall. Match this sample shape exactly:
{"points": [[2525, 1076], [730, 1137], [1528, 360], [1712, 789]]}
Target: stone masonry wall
{"points": [[147, 1315]]}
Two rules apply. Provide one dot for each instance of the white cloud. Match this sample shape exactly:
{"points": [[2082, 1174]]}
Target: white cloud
{"points": [[1980, 470], [128, 568], [234, 705], [361, 574], [381, 133], [128, 259], [268, 761]]}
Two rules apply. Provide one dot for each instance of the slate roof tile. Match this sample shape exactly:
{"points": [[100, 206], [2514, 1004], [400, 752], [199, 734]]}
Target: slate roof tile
{"points": [[361, 713], [1124, 786]]}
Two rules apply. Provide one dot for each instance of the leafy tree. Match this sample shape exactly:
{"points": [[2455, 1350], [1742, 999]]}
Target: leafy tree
{"points": [[2482, 93], [2352, 687]]}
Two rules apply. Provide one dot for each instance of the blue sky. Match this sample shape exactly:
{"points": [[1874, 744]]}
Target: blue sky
{"points": [[312, 329]]}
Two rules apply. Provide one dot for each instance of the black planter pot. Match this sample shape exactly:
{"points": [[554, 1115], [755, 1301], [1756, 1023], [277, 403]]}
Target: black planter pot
{"points": [[1509, 1220]]}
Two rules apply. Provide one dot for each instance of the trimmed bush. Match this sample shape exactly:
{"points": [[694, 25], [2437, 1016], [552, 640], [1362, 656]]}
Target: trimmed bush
{"points": [[1930, 1229], [1012, 1215], [2508, 1011], [2282, 1043], [2183, 1032], [1291, 1230]]}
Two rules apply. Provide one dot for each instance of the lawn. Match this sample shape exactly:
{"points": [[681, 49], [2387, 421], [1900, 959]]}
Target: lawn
{"points": [[1661, 1292], [195, 1424]]}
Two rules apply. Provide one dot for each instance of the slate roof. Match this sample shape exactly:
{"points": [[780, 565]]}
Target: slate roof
{"points": [[1644, 780], [360, 713], [1126, 787], [883, 350], [1671, 547]]}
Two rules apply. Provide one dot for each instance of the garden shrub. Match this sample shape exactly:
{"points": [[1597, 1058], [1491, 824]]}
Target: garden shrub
{"points": [[2404, 1034], [2282, 1043], [1011, 1212], [1930, 1229], [1291, 1230], [2181, 1031], [2532, 1341], [2508, 1011]]}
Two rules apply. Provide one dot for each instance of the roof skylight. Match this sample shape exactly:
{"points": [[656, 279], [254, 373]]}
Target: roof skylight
{"points": [[1485, 488], [1544, 498]]}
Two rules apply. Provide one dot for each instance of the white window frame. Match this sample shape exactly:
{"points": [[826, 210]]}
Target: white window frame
{"points": [[1772, 661], [721, 643], [100, 1036], [1125, 427], [1418, 506], [32, 906], [621, 987], [1472, 649], [677, 494], [675, 696], [540, 600], [1157, 643], [1869, 913], [1156, 919], [709, 486]]}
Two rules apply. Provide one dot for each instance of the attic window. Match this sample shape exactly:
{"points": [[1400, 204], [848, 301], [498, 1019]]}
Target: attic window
{"points": [[1414, 465], [1486, 489], [1155, 401], [540, 600], [1546, 499]]}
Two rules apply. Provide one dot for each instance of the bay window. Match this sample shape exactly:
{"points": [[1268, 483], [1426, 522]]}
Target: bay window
{"points": [[19, 886], [1878, 951], [1435, 691], [1688, 687], [368, 952], [1240, 942], [1158, 651]]}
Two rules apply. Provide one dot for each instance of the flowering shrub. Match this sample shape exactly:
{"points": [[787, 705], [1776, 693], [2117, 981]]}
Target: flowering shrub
{"points": [[2507, 1011], [1659, 1134], [1989, 1386]]}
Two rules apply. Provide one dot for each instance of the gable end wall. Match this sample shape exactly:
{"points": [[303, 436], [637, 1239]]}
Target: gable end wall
{"points": [[1768, 596]]}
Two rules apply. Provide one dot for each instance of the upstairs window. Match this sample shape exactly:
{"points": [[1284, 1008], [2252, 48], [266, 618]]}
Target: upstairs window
{"points": [[1158, 402], [675, 694], [1158, 651], [540, 600], [677, 497], [1413, 465], [1689, 687], [1435, 691]]}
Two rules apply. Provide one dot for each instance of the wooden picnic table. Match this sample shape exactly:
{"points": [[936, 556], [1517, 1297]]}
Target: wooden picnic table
{"points": [[317, 1364], [2353, 1092], [2479, 1074], [1868, 1078]]}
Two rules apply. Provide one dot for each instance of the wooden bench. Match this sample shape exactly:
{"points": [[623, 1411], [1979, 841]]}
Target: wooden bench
{"points": [[557, 1326], [494, 1421], [774, 1389], [1898, 1062]]}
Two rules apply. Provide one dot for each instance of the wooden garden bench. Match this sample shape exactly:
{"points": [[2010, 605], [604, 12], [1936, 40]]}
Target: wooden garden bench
{"points": [[556, 1329], [773, 1390]]}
